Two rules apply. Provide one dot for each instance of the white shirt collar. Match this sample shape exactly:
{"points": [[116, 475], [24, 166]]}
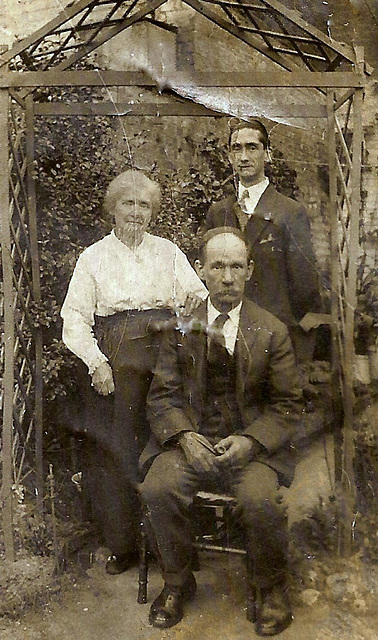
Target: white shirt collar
{"points": [[231, 326], [124, 246], [254, 193], [213, 313]]}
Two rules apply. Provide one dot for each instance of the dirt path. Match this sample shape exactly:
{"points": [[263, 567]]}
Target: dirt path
{"points": [[102, 607]]}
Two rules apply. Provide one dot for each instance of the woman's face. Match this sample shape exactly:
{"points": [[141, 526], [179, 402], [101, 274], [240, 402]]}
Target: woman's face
{"points": [[132, 213]]}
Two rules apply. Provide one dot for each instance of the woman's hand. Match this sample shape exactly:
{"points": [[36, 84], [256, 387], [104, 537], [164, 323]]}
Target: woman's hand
{"points": [[192, 301], [102, 379]]}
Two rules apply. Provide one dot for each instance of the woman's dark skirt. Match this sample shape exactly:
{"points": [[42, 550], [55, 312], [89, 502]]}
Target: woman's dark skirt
{"points": [[116, 429]]}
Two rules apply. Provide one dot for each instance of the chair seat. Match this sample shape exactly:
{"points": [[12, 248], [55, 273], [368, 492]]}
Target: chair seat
{"points": [[215, 499]]}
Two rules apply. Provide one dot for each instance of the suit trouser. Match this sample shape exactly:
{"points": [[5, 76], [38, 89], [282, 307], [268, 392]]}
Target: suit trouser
{"points": [[167, 493]]}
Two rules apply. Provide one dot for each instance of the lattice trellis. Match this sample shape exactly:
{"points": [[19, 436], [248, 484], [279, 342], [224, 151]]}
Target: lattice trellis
{"points": [[345, 152], [268, 27], [24, 296], [78, 30], [22, 445], [279, 33]]}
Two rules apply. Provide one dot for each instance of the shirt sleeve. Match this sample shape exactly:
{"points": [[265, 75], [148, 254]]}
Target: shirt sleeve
{"points": [[78, 316], [186, 279]]}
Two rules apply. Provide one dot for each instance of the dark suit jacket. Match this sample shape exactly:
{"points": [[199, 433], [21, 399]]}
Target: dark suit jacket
{"points": [[284, 280], [268, 399]]}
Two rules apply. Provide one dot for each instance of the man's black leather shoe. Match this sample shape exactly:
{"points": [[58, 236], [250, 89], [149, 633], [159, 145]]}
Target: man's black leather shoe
{"points": [[167, 610], [273, 612], [118, 564]]}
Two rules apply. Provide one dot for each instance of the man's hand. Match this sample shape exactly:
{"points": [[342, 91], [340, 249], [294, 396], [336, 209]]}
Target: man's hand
{"points": [[314, 320], [196, 452], [102, 379], [236, 451]]}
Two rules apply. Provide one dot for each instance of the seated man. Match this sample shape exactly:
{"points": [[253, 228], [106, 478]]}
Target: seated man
{"points": [[223, 409]]}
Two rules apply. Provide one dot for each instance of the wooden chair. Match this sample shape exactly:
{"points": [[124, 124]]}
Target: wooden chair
{"points": [[215, 532]]}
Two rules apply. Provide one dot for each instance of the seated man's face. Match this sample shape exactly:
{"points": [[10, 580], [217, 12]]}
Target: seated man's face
{"points": [[225, 271], [132, 212]]}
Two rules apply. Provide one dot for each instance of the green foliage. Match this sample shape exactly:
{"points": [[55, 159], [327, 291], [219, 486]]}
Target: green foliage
{"points": [[75, 161], [317, 534]]}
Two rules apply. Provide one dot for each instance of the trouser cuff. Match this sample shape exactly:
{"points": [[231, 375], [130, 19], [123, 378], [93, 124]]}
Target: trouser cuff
{"points": [[268, 582], [177, 579]]}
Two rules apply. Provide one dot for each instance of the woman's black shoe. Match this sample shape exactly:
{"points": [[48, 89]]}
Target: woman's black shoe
{"points": [[118, 564]]}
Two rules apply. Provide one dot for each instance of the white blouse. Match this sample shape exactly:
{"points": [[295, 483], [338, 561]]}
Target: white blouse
{"points": [[110, 277]]}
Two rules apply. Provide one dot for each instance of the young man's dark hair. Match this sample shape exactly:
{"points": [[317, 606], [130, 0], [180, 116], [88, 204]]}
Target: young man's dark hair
{"points": [[236, 125]]}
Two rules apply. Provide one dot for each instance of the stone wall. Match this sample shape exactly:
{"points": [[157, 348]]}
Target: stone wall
{"points": [[200, 45], [20, 18]]}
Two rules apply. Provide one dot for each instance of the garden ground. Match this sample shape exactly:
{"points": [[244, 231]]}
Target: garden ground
{"points": [[101, 607], [333, 599]]}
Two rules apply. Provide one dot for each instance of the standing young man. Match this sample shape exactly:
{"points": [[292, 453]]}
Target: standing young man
{"points": [[277, 229]]}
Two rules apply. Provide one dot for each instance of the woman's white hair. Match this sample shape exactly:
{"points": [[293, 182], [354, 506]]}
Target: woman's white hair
{"points": [[132, 180]]}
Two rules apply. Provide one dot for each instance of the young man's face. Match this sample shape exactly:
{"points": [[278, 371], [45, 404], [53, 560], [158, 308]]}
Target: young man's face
{"points": [[247, 156], [225, 270]]}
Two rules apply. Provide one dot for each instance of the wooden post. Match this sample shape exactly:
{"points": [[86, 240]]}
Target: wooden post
{"points": [[33, 236], [335, 277], [348, 479], [8, 379]]}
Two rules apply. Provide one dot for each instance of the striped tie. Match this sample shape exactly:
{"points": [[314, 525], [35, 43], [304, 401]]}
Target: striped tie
{"points": [[243, 216]]}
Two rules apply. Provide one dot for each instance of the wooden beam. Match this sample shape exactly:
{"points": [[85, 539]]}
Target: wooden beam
{"points": [[339, 103], [296, 79], [8, 378], [335, 281], [64, 16], [84, 50], [123, 109], [240, 34], [33, 236], [188, 108], [295, 17]]}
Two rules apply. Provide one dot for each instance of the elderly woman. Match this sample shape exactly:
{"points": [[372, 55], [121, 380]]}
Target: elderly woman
{"points": [[122, 287]]}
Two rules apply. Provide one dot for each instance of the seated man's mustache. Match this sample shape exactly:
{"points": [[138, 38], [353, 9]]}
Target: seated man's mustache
{"points": [[134, 219]]}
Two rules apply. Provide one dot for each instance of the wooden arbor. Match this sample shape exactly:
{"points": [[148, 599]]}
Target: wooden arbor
{"points": [[303, 57]]}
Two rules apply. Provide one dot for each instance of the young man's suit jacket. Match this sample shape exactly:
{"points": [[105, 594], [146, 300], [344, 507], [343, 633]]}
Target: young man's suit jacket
{"points": [[267, 396], [284, 280]]}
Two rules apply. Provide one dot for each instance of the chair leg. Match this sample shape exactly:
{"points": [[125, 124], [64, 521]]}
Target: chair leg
{"points": [[195, 561], [251, 595], [143, 565]]}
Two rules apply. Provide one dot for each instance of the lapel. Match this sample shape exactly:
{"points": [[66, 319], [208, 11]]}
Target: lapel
{"points": [[196, 349], [246, 337], [266, 206], [262, 218]]}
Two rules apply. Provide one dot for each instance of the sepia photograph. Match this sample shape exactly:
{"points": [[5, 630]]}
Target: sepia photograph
{"points": [[189, 319]]}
